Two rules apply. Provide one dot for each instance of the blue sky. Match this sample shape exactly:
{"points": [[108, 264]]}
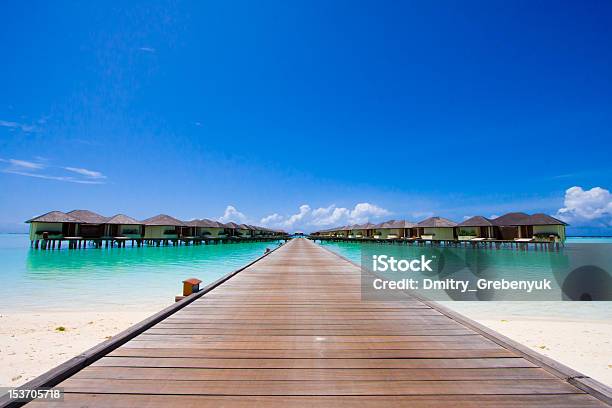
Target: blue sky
{"points": [[409, 108]]}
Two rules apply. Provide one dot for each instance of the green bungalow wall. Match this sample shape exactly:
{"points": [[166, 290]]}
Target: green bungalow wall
{"points": [[130, 231], [384, 233], [558, 230], [158, 232], [213, 232], [37, 228], [439, 233]]}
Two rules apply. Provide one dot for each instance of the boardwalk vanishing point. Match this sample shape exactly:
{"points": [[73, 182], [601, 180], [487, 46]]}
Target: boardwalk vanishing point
{"points": [[291, 330]]}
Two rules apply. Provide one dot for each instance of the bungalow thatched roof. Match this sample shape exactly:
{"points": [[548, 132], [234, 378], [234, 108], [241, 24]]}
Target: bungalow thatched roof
{"points": [[88, 217], [54, 216], [436, 222], [123, 219], [544, 219], [204, 223], [232, 225], [511, 219], [394, 224], [164, 220], [516, 219], [477, 221], [360, 226]]}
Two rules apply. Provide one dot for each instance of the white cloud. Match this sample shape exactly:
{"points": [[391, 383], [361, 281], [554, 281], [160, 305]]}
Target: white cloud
{"points": [[147, 49], [232, 214], [332, 215], [24, 127], [272, 219], [587, 207], [297, 218], [325, 216], [24, 164], [364, 211], [40, 170], [85, 172], [50, 177]]}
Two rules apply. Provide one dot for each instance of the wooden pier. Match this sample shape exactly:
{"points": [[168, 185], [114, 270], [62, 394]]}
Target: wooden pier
{"points": [[291, 330]]}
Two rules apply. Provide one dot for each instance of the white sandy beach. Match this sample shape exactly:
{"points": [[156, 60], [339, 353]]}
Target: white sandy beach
{"points": [[577, 334], [31, 344]]}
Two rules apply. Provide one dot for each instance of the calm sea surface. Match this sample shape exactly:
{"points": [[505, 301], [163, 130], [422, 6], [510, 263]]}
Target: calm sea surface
{"points": [[129, 278], [522, 263], [103, 279]]}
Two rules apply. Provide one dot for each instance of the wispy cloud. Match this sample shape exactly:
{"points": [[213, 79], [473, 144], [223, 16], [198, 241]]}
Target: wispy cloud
{"points": [[85, 172], [13, 126], [147, 49], [23, 164], [41, 170], [50, 177]]}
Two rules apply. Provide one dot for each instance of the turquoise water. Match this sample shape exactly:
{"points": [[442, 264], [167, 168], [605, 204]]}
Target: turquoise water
{"points": [[102, 279], [526, 264], [352, 250]]}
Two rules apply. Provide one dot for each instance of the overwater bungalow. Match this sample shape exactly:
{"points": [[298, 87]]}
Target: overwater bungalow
{"points": [[235, 230], [436, 229], [261, 231], [123, 226], [332, 232], [547, 228], [475, 228], [519, 226], [91, 225], [329, 232], [341, 232], [53, 225], [361, 230], [394, 229], [247, 231], [207, 229], [163, 226]]}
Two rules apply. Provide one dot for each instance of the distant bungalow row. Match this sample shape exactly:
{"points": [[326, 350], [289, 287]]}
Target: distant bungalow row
{"points": [[79, 226], [513, 227]]}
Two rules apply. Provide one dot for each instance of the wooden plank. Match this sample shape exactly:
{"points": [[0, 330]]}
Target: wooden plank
{"points": [[333, 331], [309, 363], [229, 338], [311, 353], [314, 374], [237, 345], [438, 401], [497, 387]]}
